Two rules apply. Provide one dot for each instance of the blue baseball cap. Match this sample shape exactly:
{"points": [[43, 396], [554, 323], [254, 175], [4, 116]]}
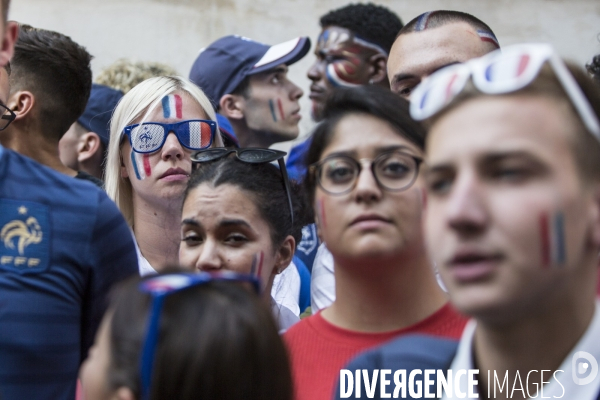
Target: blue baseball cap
{"points": [[99, 110], [222, 66]]}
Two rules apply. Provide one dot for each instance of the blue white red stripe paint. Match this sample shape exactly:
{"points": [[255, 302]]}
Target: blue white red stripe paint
{"points": [[141, 165], [335, 79], [272, 107], [200, 134], [487, 36], [552, 234], [423, 20], [257, 263], [172, 106]]}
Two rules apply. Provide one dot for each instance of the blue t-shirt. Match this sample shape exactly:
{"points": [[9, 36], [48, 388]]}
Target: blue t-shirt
{"points": [[63, 243]]}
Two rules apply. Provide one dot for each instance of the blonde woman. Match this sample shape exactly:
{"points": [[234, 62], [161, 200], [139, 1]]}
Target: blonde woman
{"points": [[155, 128]]}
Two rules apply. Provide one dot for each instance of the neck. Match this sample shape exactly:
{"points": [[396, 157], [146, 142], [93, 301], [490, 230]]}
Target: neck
{"points": [[251, 138], [384, 294], [539, 340], [33, 144], [157, 231]]}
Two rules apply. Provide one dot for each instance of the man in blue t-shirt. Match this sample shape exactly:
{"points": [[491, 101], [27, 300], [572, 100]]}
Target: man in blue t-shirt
{"points": [[63, 244]]}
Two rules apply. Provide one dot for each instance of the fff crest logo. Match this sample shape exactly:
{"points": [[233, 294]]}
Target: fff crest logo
{"points": [[24, 236]]}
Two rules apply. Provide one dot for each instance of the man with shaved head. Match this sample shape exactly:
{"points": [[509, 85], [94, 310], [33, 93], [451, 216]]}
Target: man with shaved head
{"points": [[432, 41]]}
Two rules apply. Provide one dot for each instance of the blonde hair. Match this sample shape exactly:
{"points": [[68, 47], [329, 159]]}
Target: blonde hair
{"points": [[125, 74], [141, 101]]}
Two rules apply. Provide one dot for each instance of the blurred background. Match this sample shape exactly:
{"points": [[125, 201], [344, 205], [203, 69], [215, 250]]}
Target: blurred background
{"points": [[173, 31]]}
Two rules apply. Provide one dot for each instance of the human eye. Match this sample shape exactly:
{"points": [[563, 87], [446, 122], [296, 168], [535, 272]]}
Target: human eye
{"points": [[395, 168], [512, 171], [439, 183], [339, 171], [236, 238], [191, 238]]}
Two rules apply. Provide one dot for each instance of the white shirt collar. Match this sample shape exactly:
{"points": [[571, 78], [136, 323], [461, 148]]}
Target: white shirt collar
{"points": [[144, 266], [566, 387]]}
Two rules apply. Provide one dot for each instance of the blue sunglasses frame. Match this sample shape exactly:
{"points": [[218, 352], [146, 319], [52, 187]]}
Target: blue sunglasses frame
{"points": [[159, 287], [175, 128]]}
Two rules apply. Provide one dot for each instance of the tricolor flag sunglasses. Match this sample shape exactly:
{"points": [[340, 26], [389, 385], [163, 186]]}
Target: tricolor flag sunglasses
{"points": [[251, 155], [504, 71], [162, 286], [148, 137]]}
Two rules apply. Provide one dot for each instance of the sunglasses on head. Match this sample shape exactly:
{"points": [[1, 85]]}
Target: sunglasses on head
{"points": [[498, 72], [159, 288], [252, 156], [148, 137]]}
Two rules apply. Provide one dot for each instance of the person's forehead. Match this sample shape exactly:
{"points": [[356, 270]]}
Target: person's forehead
{"points": [[422, 53], [333, 37], [501, 124]]}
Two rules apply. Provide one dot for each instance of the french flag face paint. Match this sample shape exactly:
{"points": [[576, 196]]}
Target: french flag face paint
{"points": [[172, 106], [487, 36], [321, 212], [272, 108], [423, 20], [257, 264], [552, 234], [141, 165]]}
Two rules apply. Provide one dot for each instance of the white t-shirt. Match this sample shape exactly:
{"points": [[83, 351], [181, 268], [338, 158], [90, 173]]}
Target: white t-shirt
{"points": [[322, 285]]}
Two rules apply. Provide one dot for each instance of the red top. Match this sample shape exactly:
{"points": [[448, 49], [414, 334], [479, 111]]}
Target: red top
{"points": [[318, 349]]}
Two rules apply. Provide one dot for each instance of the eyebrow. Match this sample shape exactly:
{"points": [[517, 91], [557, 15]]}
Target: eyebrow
{"points": [[489, 157], [222, 223], [279, 69], [402, 77], [382, 149]]}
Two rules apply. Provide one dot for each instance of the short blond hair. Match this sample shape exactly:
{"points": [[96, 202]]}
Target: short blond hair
{"points": [[139, 103], [125, 74]]}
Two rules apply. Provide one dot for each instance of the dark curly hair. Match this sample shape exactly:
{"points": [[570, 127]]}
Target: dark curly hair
{"points": [[593, 68], [57, 71], [264, 184], [376, 24]]}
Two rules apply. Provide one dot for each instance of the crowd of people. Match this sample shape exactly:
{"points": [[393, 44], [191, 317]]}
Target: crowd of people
{"points": [[443, 215]]}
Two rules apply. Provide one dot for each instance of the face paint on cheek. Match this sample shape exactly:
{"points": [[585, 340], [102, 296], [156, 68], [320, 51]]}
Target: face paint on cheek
{"points": [[172, 106], [272, 107], [138, 163], [280, 106], [341, 74], [321, 212], [257, 263], [146, 163], [552, 235]]}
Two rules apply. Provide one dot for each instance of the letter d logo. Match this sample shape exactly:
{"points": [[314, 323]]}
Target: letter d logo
{"points": [[581, 363]]}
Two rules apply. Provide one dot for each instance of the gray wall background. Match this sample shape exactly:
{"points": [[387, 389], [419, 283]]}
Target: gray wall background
{"points": [[173, 31]]}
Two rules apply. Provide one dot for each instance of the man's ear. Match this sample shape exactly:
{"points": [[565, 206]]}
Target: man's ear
{"points": [[284, 255], [378, 69], [21, 103], [232, 106], [88, 146], [7, 47]]}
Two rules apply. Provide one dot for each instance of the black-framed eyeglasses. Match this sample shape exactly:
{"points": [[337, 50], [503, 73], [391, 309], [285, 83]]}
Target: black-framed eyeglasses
{"points": [[148, 137], [160, 287], [393, 171], [250, 155], [7, 117]]}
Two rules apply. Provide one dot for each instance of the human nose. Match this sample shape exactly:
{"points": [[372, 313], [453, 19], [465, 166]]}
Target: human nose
{"points": [[366, 188], [466, 209], [295, 91], [172, 148], [209, 259], [314, 72]]}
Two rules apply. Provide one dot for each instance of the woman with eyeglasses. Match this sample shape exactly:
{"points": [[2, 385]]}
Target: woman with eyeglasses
{"points": [[240, 213], [187, 336], [154, 130], [366, 190]]}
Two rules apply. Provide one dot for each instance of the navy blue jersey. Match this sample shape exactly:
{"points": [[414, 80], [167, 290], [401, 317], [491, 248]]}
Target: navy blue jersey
{"points": [[63, 243]]}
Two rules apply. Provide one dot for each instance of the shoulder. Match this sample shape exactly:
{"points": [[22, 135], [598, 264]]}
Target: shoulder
{"points": [[409, 352]]}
